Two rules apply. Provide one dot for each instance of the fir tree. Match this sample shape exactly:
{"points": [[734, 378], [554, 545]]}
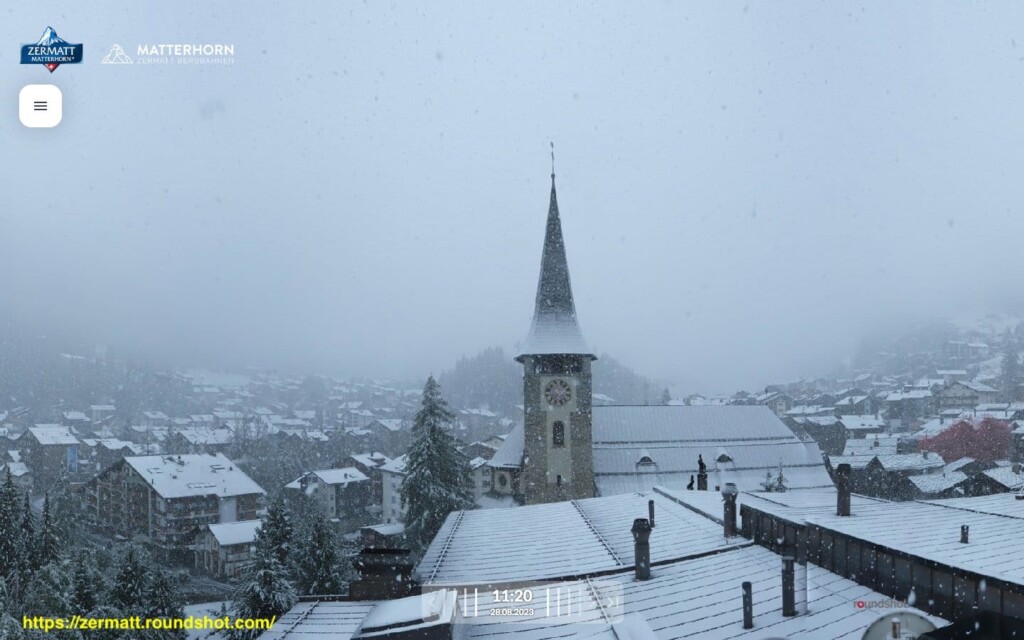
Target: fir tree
{"points": [[1010, 369], [276, 531], [666, 397], [86, 584], [265, 592], [317, 563], [129, 587], [780, 480], [768, 484], [10, 526], [28, 534], [49, 593], [163, 601], [65, 508], [438, 477], [48, 549]]}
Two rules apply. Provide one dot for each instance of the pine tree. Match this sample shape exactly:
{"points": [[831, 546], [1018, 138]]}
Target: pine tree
{"points": [[129, 587], [438, 477], [48, 549], [666, 397], [49, 593], [780, 480], [276, 531], [86, 584], [163, 601], [265, 592], [10, 526], [65, 508], [1010, 369], [10, 629], [317, 563]]}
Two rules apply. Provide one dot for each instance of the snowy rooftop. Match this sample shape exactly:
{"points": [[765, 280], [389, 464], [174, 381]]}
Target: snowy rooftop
{"points": [[182, 476], [696, 598], [341, 476], [793, 506], [53, 435], [857, 423], [675, 436], [229, 533], [1006, 477], [510, 453], [500, 545], [936, 482], [206, 436], [931, 530], [370, 460], [395, 465]]}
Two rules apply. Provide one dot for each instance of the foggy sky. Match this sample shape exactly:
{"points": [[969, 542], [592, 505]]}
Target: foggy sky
{"points": [[745, 188]]}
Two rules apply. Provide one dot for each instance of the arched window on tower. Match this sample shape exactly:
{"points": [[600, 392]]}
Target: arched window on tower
{"points": [[558, 434]]}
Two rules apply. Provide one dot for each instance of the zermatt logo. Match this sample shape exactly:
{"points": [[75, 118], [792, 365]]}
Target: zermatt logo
{"points": [[116, 56], [51, 51]]}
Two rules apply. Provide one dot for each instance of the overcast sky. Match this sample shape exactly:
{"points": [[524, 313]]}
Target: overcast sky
{"points": [[746, 188]]}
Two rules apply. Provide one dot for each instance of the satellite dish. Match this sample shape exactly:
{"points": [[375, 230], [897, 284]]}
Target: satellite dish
{"points": [[901, 624]]}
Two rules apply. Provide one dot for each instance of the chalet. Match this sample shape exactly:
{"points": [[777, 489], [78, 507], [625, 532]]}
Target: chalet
{"points": [[102, 412], [369, 464], [166, 498], [966, 395], [855, 405], [20, 474], [49, 450], [392, 434], [862, 426], [339, 494], [907, 405], [154, 419], [381, 535], [481, 472], [225, 550], [199, 440]]}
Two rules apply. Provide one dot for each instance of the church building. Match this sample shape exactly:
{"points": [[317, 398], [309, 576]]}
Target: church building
{"points": [[568, 449]]}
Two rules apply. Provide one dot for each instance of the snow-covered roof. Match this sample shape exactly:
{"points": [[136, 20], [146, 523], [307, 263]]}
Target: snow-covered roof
{"points": [[387, 529], [592, 535], [241, 532], [206, 436], [861, 423], [341, 476], [931, 530], [1006, 477], [958, 464], [937, 482], [155, 415], [510, 454], [391, 424], [53, 435], [181, 476], [977, 386], [370, 460], [871, 446], [675, 436], [910, 461], [395, 465], [17, 469]]}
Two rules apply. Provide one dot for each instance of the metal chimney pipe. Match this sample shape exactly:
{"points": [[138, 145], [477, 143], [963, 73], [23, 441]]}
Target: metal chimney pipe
{"points": [[650, 512], [843, 486], [964, 533], [748, 606], [642, 548], [788, 587], [729, 495]]}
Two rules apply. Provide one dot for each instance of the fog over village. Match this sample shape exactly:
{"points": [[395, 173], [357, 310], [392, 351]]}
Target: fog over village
{"points": [[633, 322]]}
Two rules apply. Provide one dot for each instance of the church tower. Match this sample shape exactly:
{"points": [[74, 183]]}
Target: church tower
{"points": [[557, 451]]}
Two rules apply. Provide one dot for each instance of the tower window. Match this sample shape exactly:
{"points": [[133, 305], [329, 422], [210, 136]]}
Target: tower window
{"points": [[558, 480], [558, 434]]}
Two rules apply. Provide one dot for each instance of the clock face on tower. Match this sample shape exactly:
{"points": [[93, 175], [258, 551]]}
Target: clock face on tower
{"points": [[557, 392]]}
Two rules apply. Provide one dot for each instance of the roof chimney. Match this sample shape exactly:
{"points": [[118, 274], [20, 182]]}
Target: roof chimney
{"points": [[843, 485], [748, 606], [729, 494], [642, 548], [964, 533], [788, 587], [650, 512], [384, 574]]}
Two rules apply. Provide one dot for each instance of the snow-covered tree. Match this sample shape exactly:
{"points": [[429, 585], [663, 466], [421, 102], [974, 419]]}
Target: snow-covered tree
{"points": [[317, 562], [48, 548], [49, 593], [276, 531], [10, 629], [438, 478], [266, 589], [128, 591], [666, 397], [87, 587], [768, 484], [780, 481], [29, 548], [64, 508], [163, 601], [10, 526]]}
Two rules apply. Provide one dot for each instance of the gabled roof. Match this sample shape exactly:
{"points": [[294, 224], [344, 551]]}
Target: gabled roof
{"points": [[53, 435], [555, 328], [341, 476], [241, 532], [510, 454]]}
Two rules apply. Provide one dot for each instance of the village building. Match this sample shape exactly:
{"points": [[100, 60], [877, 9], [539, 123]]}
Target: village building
{"points": [[166, 498], [339, 494], [225, 550]]}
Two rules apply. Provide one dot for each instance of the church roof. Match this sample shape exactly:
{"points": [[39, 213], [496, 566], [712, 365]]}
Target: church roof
{"points": [[554, 328]]}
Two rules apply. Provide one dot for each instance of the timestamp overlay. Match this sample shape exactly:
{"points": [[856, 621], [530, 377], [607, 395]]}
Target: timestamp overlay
{"points": [[591, 600]]}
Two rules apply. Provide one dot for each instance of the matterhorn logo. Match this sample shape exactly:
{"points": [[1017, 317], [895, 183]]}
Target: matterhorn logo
{"points": [[116, 56], [51, 51]]}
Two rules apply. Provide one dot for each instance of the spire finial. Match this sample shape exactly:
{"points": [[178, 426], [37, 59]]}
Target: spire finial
{"points": [[552, 162]]}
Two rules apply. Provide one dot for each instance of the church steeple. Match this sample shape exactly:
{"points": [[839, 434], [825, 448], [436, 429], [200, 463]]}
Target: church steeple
{"points": [[555, 329]]}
